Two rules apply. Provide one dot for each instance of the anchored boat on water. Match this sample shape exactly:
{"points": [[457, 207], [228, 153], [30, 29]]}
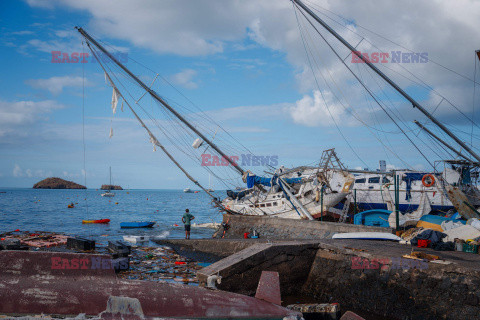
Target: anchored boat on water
{"points": [[137, 224], [107, 193]]}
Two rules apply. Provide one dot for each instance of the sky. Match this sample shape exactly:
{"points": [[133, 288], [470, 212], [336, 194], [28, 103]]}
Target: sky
{"points": [[253, 74]]}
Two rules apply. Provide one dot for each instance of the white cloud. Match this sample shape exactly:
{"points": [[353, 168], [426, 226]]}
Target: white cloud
{"points": [[185, 79], [18, 172], [205, 27], [56, 84], [318, 111], [22, 33], [16, 118]]}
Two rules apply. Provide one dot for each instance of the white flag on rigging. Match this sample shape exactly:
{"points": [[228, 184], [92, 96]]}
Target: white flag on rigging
{"points": [[152, 140], [115, 100]]}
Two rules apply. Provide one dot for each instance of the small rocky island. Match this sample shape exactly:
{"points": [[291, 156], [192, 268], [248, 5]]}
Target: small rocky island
{"points": [[57, 183], [110, 187]]}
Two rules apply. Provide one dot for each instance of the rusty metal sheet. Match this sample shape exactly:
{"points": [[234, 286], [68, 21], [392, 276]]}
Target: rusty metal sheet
{"points": [[349, 315], [70, 284], [268, 288]]}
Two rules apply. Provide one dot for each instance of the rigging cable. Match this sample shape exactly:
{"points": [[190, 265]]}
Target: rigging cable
{"points": [[385, 38], [425, 85], [474, 87], [366, 88], [83, 131], [321, 93]]}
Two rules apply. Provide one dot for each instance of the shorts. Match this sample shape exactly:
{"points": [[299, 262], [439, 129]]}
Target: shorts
{"points": [[187, 227]]}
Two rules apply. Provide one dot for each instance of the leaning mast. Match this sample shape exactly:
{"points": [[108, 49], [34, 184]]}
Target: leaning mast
{"points": [[159, 99], [387, 79]]}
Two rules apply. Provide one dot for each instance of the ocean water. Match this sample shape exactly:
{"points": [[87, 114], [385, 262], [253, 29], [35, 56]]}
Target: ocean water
{"points": [[46, 210]]}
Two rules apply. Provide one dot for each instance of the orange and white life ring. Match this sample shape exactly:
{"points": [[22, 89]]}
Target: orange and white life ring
{"points": [[430, 178]]}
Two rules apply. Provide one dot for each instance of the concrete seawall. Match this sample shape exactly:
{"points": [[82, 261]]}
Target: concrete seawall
{"points": [[241, 271], [362, 275], [278, 228]]}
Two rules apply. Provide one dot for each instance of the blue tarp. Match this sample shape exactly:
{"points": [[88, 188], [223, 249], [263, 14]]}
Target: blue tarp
{"points": [[253, 180]]}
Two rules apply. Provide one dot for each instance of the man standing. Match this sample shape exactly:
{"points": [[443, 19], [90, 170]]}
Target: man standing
{"points": [[187, 217]]}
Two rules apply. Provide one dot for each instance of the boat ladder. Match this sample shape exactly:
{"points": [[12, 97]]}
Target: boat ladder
{"points": [[346, 206]]}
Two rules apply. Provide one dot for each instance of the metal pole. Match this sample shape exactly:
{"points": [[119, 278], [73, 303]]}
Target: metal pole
{"points": [[294, 199], [440, 140], [157, 97], [387, 79], [354, 202], [321, 203], [397, 200]]}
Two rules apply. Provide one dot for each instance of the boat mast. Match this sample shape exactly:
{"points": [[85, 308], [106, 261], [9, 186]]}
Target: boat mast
{"points": [[110, 177], [159, 99], [154, 139], [387, 79], [441, 141]]}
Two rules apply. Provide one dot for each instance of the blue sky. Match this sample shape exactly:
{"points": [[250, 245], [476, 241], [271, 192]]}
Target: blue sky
{"points": [[243, 63]]}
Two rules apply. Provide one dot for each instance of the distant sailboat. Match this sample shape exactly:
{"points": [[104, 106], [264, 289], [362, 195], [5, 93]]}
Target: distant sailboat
{"points": [[187, 190], [108, 193], [210, 184]]}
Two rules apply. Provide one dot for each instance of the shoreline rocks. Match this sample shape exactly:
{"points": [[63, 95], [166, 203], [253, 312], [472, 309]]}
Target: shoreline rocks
{"points": [[57, 183], [110, 187]]}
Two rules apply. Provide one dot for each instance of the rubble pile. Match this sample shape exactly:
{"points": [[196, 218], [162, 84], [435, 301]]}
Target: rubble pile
{"points": [[161, 264]]}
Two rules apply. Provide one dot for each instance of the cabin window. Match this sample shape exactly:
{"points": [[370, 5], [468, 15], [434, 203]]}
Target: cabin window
{"points": [[385, 180], [262, 205], [269, 204], [251, 206], [309, 192], [360, 180], [275, 203], [374, 180]]}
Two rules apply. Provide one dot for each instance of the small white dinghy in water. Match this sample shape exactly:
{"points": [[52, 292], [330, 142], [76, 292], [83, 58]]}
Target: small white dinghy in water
{"points": [[367, 236], [136, 239]]}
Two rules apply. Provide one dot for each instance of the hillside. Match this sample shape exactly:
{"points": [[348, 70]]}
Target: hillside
{"points": [[57, 183]]}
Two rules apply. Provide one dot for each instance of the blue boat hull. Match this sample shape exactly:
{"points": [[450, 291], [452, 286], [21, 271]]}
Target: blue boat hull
{"points": [[375, 218], [149, 224]]}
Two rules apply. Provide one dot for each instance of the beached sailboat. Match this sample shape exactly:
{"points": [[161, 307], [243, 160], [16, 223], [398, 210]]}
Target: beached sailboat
{"points": [[307, 192], [452, 187], [292, 194]]}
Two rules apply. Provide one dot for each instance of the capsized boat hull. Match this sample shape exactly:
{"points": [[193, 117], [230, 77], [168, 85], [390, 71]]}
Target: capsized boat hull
{"points": [[374, 218]]}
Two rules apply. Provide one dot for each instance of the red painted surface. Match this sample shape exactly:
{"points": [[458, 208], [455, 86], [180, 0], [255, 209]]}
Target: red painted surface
{"points": [[66, 284], [269, 287]]}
